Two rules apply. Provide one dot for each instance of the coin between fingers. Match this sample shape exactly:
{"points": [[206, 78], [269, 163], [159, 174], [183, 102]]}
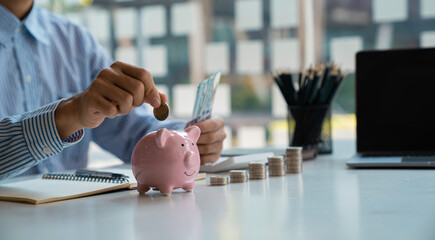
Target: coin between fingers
{"points": [[162, 112]]}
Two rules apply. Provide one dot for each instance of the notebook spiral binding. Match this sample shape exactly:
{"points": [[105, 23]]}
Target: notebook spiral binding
{"points": [[73, 177]]}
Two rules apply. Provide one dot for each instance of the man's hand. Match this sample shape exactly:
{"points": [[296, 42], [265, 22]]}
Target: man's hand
{"points": [[116, 91], [210, 142]]}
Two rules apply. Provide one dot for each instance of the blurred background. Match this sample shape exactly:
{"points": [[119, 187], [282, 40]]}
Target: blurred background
{"points": [[182, 42]]}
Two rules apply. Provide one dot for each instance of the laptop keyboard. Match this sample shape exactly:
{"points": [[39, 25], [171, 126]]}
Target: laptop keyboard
{"points": [[418, 159]]}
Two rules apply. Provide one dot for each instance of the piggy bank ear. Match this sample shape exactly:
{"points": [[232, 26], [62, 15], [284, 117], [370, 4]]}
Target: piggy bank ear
{"points": [[161, 136], [193, 132]]}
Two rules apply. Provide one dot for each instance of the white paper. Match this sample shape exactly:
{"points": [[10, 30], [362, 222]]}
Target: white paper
{"points": [[127, 55], [125, 23], [184, 99], [185, 18], [343, 51], [427, 8], [279, 106], [427, 39], [154, 21], [285, 54], [251, 137], [217, 57], [155, 60], [98, 23], [249, 57], [222, 100], [284, 13], [100, 158], [236, 162], [389, 10], [249, 14]]}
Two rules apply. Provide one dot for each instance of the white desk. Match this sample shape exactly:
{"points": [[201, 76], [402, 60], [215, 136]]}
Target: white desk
{"points": [[327, 201]]}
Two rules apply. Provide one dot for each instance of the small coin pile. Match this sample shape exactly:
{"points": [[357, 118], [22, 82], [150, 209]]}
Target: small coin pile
{"points": [[162, 112], [257, 170], [218, 180], [238, 176], [276, 166], [293, 159]]}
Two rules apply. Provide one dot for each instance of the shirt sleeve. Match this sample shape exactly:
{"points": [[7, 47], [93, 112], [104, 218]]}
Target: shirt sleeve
{"points": [[26, 140]]}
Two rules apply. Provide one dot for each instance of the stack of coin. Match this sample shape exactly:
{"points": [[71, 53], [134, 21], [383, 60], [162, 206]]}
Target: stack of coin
{"points": [[293, 159], [218, 180], [238, 176], [257, 170], [276, 166]]}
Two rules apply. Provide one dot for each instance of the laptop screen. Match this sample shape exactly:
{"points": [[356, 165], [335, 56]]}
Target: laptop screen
{"points": [[395, 101]]}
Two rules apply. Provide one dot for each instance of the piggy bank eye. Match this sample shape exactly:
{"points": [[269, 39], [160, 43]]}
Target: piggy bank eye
{"points": [[193, 144], [182, 144]]}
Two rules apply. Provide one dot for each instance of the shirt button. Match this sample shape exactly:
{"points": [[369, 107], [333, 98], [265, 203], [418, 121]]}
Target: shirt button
{"points": [[28, 78], [46, 150]]}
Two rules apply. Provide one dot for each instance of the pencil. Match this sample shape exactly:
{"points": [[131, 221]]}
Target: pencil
{"points": [[283, 90], [318, 85]]}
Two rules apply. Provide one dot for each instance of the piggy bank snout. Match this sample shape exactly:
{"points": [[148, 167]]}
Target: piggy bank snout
{"points": [[189, 159]]}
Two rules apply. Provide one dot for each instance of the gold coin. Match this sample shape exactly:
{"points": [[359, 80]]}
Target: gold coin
{"points": [[162, 112]]}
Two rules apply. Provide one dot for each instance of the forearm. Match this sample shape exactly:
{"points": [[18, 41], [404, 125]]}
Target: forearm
{"points": [[27, 139], [67, 122]]}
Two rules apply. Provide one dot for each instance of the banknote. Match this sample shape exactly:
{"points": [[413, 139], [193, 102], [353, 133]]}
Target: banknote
{"points": [[201, 95], [198, 96], [204, 98]]}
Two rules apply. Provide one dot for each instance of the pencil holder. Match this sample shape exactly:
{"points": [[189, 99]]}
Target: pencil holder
{"points": [[310, 127]]}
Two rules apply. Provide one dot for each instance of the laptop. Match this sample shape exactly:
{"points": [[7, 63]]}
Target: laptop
{"points": [[395, 108]]}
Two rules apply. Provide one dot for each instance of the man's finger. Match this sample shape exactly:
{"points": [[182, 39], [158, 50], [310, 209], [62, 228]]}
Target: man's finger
{"points": [[130, 85], [133, 86], [102, 105], [163, 97], [207, 138], [130, 70], [151, 94], [210, 125], [122, 99], [210, 148]]}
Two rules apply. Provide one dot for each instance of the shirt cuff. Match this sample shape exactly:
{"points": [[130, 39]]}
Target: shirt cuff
{"points": [[41, 134], [73, 139]]}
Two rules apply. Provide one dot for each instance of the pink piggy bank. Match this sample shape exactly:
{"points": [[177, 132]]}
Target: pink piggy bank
{"points": [[167, 159]]}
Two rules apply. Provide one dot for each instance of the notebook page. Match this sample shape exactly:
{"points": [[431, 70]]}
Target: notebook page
{"points": [[46, 190]]}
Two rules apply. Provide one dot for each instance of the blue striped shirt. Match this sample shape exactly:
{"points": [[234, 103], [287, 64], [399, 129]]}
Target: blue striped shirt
{"points": [[43, 59]]}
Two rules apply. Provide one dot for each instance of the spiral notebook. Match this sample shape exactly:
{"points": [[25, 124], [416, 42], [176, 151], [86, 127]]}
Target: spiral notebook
{"points": [[63, 186]]}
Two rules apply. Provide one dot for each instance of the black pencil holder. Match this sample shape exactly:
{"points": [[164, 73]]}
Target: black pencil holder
{"points": [[310, 127]]}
